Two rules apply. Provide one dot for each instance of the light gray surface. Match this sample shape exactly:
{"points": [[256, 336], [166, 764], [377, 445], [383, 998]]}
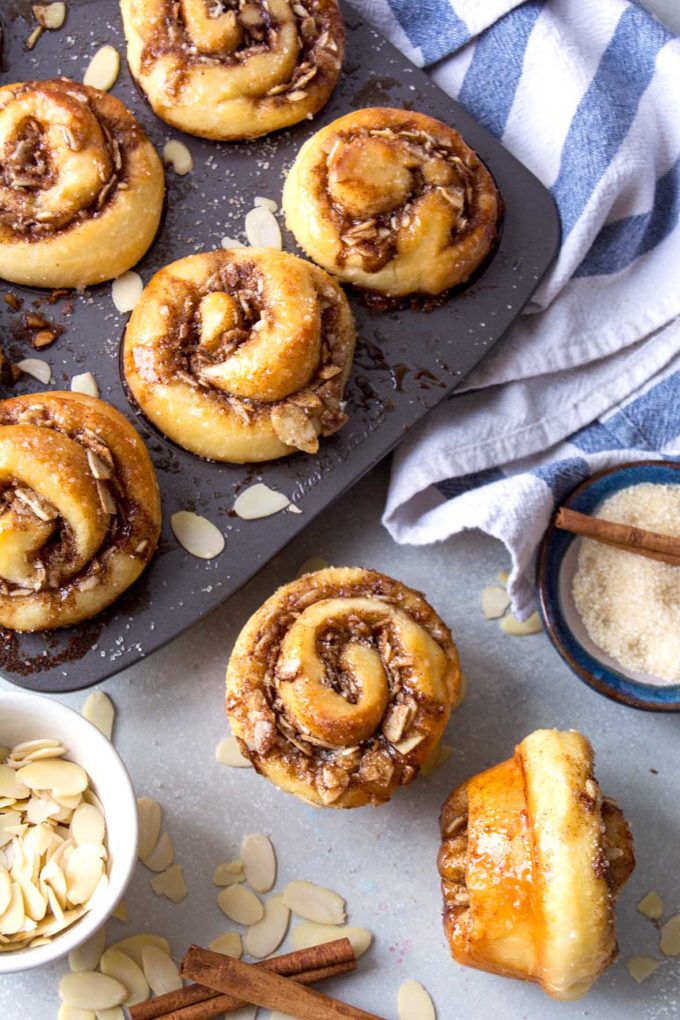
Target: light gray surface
{"points": [[170, 718]]}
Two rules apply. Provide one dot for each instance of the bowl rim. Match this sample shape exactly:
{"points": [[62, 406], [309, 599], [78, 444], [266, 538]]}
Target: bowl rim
{"points": [[602, 678], [79, 932]]}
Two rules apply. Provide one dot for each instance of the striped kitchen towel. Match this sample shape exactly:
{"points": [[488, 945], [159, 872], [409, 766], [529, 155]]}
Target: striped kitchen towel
{"points": [[587, 94]]}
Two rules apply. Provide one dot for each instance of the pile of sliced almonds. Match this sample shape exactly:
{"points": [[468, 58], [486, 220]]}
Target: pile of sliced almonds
{"points": [[53, 858], [496, 605]]}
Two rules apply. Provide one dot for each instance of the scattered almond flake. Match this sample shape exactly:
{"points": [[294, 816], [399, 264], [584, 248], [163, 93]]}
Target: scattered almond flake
{"points": [[292, 509], [90, 990], [149, 819], [63, 778], [134, 945], [415, 1003], [314, 903], [641, 967], [126, 291], [103, 69], [230, 242], [72, 1012], [258, 861], [121, 911], [266, 203], [262, 229], [670, 936], [36, 368], [265, 936], [99, 710], [50, 16], [294, 428], [170, 883], [228, 944], [197, 534], [162, 856], [309, 934], [87, 956], [228, 752], [160, 970], [178, 156], [229, 873], [503, 577], [495, 601], [85, 383], [651, 905], [259, 501], [119, 965], [517, 628], [240, 905], [11, 785], [87, 825], [438, 756]]}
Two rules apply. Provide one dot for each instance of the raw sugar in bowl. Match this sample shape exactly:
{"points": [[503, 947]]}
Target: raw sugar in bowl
{"points": [[31, 717]]}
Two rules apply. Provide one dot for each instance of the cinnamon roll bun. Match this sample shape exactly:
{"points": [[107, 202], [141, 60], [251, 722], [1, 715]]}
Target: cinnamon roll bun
{"points": [[241, 355], [81, 187], [532, 861], [393, 202], [229, 69], [340, 686], [79, 509]]}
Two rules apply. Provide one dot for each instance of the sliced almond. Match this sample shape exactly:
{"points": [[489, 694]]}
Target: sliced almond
{"points": [[414, 1002], [99, 710], [240, 904], [5, 889], [178, 156], [651, 905], [10, 785], [262, 229], [90, 990], [521, 628], [265, 936], [72, 1012], [409, 743], [36, 368], [259, 862], [12, 920], [670, 936], [121, 911], [170, 883], [495, 601], [641, 967], [50, 16], [160, 971], [63, 778], [266, 203], [149, 819], [294, 428], [87, 825], [162, 856], [115, 1013], [83, 870], [259, 501], [134, 946], [87, 956], [314, 903], [119, 965], [197, 534], [103, 69], [229, 873], [43, 747], [309, 934], [228, 752], [230, 242], [126, 291], [228, 944], [85, 383]]}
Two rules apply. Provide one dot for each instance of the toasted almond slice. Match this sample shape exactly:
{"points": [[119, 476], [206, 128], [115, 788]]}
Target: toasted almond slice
{"points": [[126, 291], [83, 870], [72, 1012], [409, 743], [314, 903], [259, 501], [63, 778], [87, 956], [197, 534], [121, 911], [103, 69], [263, 937], [309, 934], [12, 920], [160, 971], [11, 785], [134, 945], [240, 904], [262, 229], [149, 816], [98, 709], [415, 1003], [36, 368], [640, 967], [670, 936], [495, 601], [229, 944], [178, 156], [170, 883], [87, 825], [162, 856], [651, 905], [51, 15], [85, 383], [90, 990], [228, 752], [229, 873], [517, 628], [294, 428], [117, 964], [259, 862]]}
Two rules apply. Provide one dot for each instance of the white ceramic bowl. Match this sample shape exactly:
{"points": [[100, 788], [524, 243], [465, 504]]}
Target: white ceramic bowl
{"points": [[31, 716]]}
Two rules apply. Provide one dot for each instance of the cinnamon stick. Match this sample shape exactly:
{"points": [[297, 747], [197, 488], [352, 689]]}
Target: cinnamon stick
{"points": [[622, 536], [201, 1002], [264, 988]]}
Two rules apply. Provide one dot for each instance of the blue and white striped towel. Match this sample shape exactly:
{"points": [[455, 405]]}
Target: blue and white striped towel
{"points": [[587, 94]]}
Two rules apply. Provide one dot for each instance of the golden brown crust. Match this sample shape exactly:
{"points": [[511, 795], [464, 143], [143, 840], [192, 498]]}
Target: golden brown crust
{"points": [[340, 686], [79, 509], [237, 73], [241, 355], [81, 187], [531, 862], [393, 202]]}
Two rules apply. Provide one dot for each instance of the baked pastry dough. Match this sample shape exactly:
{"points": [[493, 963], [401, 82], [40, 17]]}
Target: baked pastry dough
{"points": [[532, 861], [340, 686], [237, 70], [79, 509], [81, 187], [241, 355], [393, 202]]}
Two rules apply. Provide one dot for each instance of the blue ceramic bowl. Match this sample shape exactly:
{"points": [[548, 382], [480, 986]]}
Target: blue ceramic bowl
{"points": [[556, 567]]}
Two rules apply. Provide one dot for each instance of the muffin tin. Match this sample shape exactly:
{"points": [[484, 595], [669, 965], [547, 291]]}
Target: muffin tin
{"points": [[407, 361]]}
